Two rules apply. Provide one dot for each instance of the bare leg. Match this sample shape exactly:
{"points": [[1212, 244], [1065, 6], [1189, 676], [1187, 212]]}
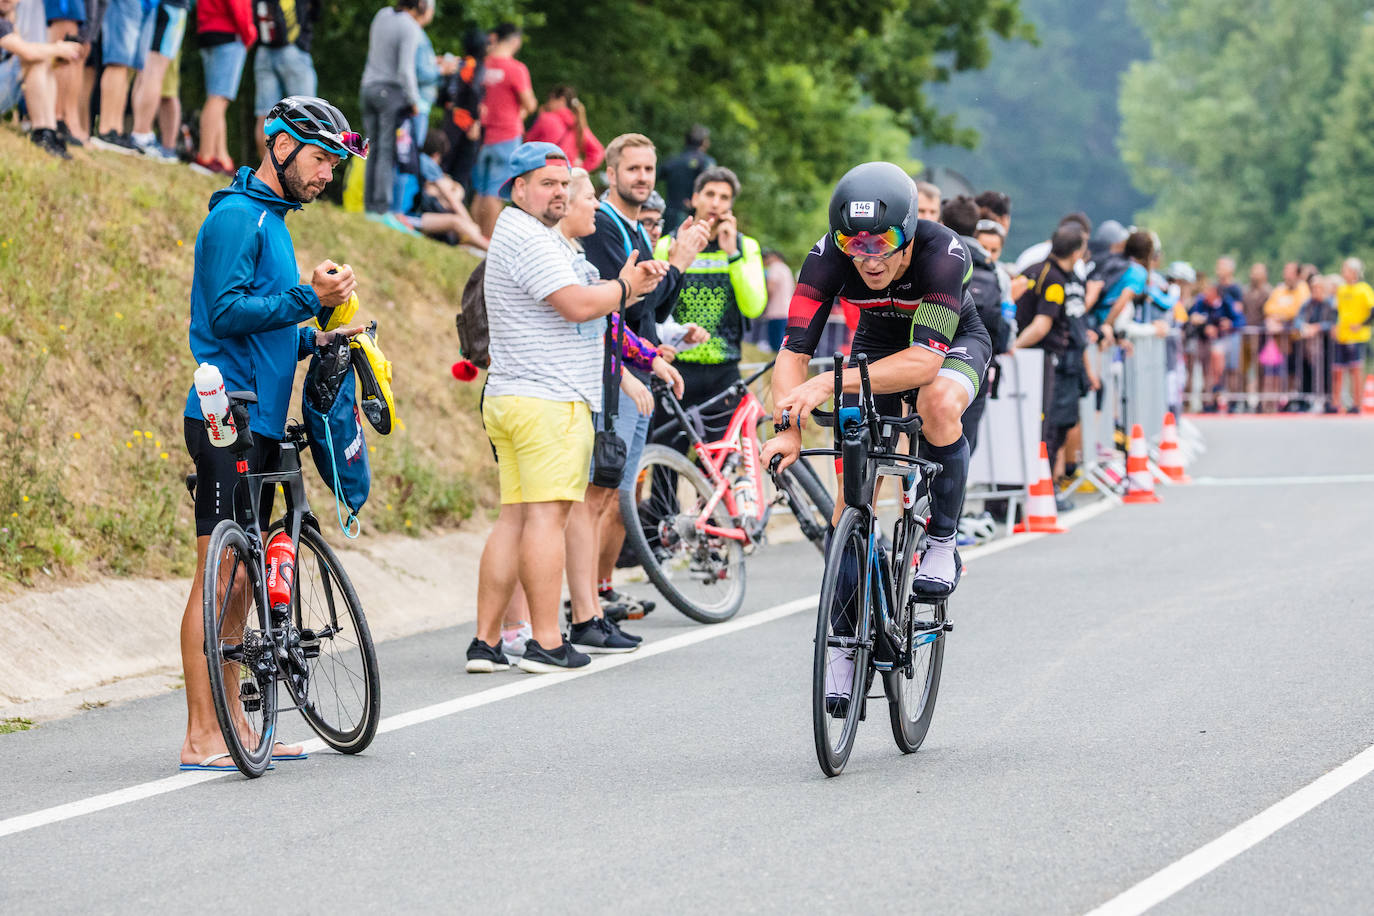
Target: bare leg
{"points": [[541, 567], [580, 540], [259, 139], [81, 127], [517, 610], [203, 736], [169, 120], [612, 537], [40, 95], [444, 223], [68, 75], [114, 86], [499, 571], [148, 91]]}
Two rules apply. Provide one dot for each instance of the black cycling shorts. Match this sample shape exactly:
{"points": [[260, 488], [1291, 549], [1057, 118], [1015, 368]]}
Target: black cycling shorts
{"points": [[217, 479], [966, 363]]}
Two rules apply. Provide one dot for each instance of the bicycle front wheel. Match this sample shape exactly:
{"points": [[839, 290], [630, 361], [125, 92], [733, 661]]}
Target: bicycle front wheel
{"points": [[336, 680], [239, 649], [839, 678], [702, 575]]}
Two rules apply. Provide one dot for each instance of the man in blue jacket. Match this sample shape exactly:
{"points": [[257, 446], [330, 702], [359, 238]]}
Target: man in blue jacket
{"points": [[247, 302]]}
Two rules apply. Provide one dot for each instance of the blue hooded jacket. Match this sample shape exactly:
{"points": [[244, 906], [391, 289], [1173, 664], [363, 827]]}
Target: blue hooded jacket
{"points": [[247, 299]]}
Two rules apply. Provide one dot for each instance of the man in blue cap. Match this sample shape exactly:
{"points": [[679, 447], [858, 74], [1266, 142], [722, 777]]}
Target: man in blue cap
{"points": [[546, 330]]}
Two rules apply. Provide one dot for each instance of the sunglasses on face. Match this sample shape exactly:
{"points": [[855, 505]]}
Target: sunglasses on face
{"points": [[870, 244]]}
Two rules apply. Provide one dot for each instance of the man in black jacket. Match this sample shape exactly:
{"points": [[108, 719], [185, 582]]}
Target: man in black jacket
{"points": [[631, 162]]}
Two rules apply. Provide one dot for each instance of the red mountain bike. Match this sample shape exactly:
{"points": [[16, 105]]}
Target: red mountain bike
{"points": [[692, 518]]}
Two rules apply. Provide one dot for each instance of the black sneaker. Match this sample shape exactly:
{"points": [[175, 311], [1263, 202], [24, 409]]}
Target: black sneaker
{"points": [[615, 626], [599, 636], [46, 139], [64, 134], [484, 659], [538, 660], [113, 142]]}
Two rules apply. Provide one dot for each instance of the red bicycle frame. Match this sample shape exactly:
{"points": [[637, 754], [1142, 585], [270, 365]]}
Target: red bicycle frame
{"points": [[715, 458]]}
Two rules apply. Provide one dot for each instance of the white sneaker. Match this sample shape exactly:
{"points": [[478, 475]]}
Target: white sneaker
{"points": [[515, 646]]}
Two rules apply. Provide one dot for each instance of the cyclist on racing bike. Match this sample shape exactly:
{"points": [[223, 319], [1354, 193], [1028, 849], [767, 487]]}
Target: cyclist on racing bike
{"points": [[247, 300], [905, 276]]}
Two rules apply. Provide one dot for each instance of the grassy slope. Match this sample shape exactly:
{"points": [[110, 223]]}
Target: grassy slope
{"points": [[96, 259]]}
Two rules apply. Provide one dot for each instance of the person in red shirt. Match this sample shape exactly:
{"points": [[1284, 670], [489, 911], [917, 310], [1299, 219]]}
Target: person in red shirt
{"points": [[509, 99], [563, 121], [226, 30]]}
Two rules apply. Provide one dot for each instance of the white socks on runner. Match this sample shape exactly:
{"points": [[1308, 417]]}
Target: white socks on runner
{"points": [[939, 566]]}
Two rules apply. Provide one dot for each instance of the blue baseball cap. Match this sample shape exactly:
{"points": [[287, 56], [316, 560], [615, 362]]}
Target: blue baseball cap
{"points": [[528, 157]]}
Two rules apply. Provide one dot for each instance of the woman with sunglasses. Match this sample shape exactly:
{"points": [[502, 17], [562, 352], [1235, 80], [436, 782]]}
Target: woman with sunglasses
{"points": [[906, 279]]}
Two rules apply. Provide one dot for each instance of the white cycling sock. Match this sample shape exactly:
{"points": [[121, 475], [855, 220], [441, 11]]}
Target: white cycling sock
{"points": [[937, 563], [839, 673]]}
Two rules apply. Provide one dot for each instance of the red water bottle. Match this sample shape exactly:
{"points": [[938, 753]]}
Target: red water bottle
{"points": [[281, 569]]}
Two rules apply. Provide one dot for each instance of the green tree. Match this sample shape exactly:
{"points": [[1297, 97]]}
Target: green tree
{"points": [[1046, 119], [1334, 218], [1220, 125]]}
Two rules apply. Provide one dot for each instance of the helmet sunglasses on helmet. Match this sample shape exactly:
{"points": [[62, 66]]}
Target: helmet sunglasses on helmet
{"points": [[872, 244]]}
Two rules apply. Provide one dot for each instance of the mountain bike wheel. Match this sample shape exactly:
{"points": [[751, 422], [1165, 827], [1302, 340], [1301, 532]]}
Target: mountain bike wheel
{"points": [[335, 678], [810, 502], [839, 677], [911, 690], [239, 650], [701, 575]]}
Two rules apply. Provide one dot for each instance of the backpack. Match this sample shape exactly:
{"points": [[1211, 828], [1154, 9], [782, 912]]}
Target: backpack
{"points": [[986, 291], [473, 336], [279, 21]]}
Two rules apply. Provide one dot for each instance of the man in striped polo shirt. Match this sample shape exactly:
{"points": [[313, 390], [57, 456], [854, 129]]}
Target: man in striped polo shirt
{"points": [[544, 381]]}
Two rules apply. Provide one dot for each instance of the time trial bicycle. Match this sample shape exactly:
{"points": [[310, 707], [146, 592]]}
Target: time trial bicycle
{"points": [[870, 620]]}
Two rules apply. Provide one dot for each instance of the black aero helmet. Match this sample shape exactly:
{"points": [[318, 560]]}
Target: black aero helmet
{"points": [[873, 210], [315, 121]]}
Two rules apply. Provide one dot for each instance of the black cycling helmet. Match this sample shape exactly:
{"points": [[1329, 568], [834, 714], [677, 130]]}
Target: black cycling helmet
{"points": [[873, 210], [311, 120]]}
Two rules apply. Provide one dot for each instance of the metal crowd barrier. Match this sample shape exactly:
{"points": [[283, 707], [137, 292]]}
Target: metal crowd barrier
{"points": [[1260, 370]]}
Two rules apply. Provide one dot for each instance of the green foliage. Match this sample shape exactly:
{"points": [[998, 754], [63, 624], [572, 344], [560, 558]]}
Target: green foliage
{"points": [[9, 726], [1334, 219], [795, 91], [1221, 124], [1046, 117]]}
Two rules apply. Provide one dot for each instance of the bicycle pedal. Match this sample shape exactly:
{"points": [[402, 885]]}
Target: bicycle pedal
{"points": [[309, 644], [250, 696]]}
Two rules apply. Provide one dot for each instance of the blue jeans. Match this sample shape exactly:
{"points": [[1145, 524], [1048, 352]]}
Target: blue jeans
{"points": [[11, 85], [278, 73], [493, 166], [633, 429], [126, 33], [224, 68]]}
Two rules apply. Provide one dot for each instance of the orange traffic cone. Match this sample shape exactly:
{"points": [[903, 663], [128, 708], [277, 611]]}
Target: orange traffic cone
{"points": [[1140, 485], [1042, 515], [1170, 457], [1367, 405]]}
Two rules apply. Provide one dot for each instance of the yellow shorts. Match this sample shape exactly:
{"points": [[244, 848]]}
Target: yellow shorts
{"points": [[543, 448]]}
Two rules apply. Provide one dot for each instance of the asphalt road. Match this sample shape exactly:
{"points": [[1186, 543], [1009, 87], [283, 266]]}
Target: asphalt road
{"points": [[1113, 699]]}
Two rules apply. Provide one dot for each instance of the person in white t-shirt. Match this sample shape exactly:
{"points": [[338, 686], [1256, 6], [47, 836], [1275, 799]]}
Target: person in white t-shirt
{"points": [[543, 384]]}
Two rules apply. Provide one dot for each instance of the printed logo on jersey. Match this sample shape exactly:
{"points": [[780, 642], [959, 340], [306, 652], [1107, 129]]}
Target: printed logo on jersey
{"points": [[954, 247], [862, 209], [937, 345]]}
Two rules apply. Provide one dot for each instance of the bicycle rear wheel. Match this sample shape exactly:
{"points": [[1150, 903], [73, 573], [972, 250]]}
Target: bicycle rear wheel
{"points": [[336, 681], [811, 503], [911, 690], [701, 575], [239, 650], [839, 677]]}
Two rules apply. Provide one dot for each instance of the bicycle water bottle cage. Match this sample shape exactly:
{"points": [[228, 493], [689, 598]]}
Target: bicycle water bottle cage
{"points": [[850, 420]]}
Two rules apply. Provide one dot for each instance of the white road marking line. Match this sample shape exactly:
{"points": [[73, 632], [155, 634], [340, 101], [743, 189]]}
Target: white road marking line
{"points": [[1165, 883], [59, 813], [1306, 480]]}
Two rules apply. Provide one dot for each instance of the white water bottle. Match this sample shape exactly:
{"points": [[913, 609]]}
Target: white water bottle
{"points": [[214, 405]]}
